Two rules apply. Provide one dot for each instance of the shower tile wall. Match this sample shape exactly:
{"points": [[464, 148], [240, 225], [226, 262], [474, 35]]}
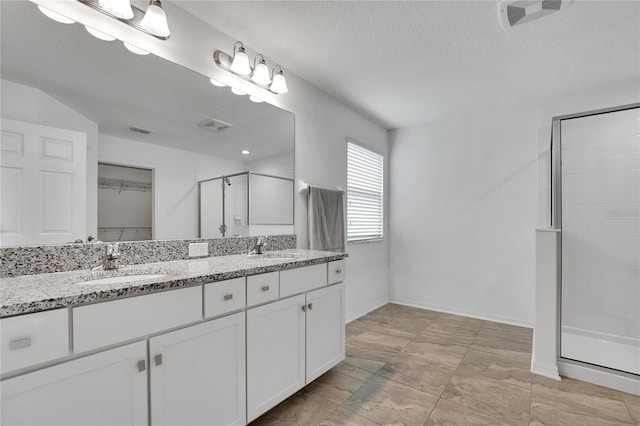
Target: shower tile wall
{"points": [[601, 225]]}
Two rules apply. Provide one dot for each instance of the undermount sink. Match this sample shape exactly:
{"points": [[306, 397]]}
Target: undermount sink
{"points": [[122, 279], [269, 255]]}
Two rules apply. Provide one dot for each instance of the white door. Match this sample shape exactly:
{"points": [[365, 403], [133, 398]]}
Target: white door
{"points": [[325, 330], [198, 374], [107, 388], [43, 184], [275, 353]]}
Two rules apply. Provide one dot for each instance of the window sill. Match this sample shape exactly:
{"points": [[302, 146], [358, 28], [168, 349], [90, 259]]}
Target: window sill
{"points": [[373, 240]]}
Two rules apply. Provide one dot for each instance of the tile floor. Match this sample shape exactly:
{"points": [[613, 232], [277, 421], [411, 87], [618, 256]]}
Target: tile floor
{"points": [[409, 366]]}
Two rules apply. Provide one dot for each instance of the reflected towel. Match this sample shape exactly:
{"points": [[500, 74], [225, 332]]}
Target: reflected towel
{"points": [[325, 219]]}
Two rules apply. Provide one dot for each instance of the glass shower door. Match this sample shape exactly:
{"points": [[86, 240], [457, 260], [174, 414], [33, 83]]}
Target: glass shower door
{"points": [[600, 314]]}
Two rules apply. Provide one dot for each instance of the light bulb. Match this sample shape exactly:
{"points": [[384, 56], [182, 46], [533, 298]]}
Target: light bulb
{"points": [[217, 83], [240, 63], [99, 34], [118, 8], [237, 92], [279, 84], [245, 152], [155, 20], [261, 74], [135, 49], [56, 16], [255, 99]]}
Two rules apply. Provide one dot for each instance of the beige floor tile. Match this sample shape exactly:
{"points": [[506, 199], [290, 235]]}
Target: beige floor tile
{"points": [[362, 359], [442, 353], [472, 324], [419, 373], [344, 417], [407, 327], [380, 341], [334, 386], [494, 398], [447, 337], [633, 405], [362, 323], [574, 402], [387, 402], [352, 331], [506, 370], [449, 414], [353, 371], [395, 310], [505, 340], [299, 409]]}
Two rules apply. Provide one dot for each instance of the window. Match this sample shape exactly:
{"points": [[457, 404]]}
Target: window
{"points": [[364, 194]]}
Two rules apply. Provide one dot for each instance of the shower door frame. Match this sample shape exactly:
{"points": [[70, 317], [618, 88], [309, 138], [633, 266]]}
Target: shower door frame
{"points": [[568, 366]]}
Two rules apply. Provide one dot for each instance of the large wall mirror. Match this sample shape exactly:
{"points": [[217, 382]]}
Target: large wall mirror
{"points": [[100, 142]]}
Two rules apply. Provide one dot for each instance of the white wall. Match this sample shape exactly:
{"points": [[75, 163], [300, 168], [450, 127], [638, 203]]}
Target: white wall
{"points": [[176, 173], [24, 103], [465, 195], [321, 127]]}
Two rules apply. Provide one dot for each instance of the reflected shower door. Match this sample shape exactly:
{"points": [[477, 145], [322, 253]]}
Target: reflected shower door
{"points": [[600, 317]]}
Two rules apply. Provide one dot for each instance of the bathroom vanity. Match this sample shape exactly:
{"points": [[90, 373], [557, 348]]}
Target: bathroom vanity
{"points": [[218, 340]]}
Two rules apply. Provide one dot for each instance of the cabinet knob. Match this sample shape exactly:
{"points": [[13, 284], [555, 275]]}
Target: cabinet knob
{"points": [[19, 343], [304, 308], [158, 359], [338, 271], [142, 365], [228, 296], [265, 288], [310, 306]]}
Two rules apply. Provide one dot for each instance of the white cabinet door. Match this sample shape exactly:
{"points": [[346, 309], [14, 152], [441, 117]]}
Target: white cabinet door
{"points": [[43, 184], [198, 374], [275, 353], [108, 388], [325, 330]]}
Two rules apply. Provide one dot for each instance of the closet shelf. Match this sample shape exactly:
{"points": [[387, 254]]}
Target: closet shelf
{"points": [[123, 185]]}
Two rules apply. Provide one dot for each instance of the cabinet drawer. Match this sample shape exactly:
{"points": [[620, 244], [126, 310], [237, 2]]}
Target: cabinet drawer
{"points": [[34, 338], [263, 288], [224, 296], [336, 271], [294, 281], [103, 324]]}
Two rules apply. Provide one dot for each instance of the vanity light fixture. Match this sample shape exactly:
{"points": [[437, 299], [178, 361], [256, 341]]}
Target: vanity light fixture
{"points": [[56, 16], [238, 64], [99, 34], [240, 61], [260, 73], [279, 84], [152, 22], [155, 20]]}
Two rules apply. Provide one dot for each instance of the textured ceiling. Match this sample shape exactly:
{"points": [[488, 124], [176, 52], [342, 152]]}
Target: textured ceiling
{"points": [[403, 63]]}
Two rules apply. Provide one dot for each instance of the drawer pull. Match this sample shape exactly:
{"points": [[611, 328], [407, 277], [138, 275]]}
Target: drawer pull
{"points": [[265, 288], [338, 271], [228, 296], [20, 343], [142, 366], [158, 359], [310, 306]]}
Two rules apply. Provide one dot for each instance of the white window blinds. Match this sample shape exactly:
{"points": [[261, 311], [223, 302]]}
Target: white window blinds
{"points": [[364, 194]]}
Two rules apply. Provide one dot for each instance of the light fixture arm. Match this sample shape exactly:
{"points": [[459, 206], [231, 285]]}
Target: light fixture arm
{"points": [[262, 60], [273, 71]]}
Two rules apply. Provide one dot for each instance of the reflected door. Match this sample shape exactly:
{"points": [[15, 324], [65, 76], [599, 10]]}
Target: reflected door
{"points": [[600, 322]]}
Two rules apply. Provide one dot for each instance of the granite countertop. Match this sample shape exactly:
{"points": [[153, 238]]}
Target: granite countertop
{"points": [[35, 293]]}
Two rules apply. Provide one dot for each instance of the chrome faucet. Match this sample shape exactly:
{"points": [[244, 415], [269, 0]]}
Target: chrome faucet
{"points": [[111, 256], [259, 247]]}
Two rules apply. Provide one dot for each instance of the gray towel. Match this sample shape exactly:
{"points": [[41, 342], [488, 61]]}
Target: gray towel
{"points": [[325, 219]]}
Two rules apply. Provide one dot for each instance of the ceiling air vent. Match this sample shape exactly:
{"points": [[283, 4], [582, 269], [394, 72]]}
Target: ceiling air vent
{"points": [[518, 12], [211, 123], [139, 130]]}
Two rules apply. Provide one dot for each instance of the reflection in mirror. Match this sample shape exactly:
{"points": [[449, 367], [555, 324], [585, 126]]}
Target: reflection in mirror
{"points": [[70, 101]]}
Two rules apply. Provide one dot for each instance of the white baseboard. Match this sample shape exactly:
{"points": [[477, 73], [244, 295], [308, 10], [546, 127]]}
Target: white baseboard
{"points": [[546, 370], [462, 313], [623, 382], [350, 316]]}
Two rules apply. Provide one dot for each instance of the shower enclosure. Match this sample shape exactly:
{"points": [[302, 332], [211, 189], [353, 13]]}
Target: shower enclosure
{"points": [[245, 204], [597, 199]]}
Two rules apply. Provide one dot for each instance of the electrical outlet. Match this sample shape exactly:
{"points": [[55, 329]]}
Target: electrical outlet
{"points": [[198, 249]]}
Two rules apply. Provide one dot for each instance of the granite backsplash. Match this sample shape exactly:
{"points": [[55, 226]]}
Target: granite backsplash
{"points": [[30, 260]]}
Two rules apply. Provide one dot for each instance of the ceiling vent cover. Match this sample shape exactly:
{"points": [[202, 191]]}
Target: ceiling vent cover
{"points": [[514, 13], [211, 123], [139, 130]]}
